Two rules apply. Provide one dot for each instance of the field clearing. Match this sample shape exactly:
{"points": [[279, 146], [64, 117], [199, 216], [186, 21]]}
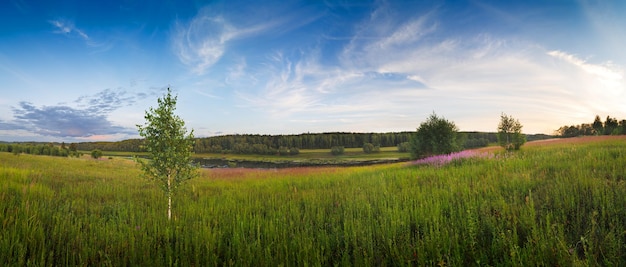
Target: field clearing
{"points": [[554, 203]]}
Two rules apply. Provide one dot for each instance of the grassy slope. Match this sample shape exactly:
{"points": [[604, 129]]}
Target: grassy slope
{"points": [[558, 204]]}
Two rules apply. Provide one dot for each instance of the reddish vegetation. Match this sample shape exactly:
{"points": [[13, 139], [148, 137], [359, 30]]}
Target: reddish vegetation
{"points": [[576, 140], [236, 173]]}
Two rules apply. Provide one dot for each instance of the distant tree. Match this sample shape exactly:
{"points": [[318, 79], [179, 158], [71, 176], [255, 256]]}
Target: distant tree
{"points": [[435, 136], [597, 125], [585, 129], [170, 148], [404, 147], [337, 150], [96, 153], [475, 142], [571, 131], [510, 133], [370, 148], [260, 149], [16, 149], [294, 151], [54, 151], [610, 125], [283, 151], [622, 127]]}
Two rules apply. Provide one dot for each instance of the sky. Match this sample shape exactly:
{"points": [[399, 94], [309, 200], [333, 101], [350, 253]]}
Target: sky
{"points": [[80, 71]]}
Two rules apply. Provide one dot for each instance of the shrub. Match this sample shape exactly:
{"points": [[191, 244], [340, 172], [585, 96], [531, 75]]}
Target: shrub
{"points": [[337, 150], [96, 153], [404, 147], [370, 148], [434, 137], [283, 151]]}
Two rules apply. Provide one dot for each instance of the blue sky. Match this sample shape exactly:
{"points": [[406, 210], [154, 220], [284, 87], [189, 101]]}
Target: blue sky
{"points": [[87, 70]]}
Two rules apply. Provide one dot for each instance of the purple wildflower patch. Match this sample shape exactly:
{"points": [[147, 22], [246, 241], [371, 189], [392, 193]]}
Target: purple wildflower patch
{"points": [[440, 160]]}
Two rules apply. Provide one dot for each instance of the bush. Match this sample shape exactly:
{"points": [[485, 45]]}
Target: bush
{"points": [[404, 147], [294, 151], [96, 153], [283, 151], [370, 148], [337, 150], [434, 137]]}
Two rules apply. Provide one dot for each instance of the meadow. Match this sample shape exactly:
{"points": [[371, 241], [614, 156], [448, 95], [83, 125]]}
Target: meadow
{"points": [[551, 204], [350, 154]]}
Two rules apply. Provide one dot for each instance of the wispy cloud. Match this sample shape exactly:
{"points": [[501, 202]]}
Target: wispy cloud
{"points": [[606, 72], [202, 42], [106, 101], [601, 85], [392, 71], [205, 39], [68, 28]]}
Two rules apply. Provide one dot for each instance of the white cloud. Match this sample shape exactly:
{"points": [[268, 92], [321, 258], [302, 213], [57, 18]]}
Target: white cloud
{"points": [[391, 74], [608, 73], [203, 41], [408, 33], [68, 28]]}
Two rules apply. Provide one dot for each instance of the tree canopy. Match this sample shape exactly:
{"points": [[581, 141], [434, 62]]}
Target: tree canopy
{"points": [[510, 133], [169, 146], [611, 126], [435, 136]]}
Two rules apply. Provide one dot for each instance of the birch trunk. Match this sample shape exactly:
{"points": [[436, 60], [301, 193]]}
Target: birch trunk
{"points": [[169, 197]]}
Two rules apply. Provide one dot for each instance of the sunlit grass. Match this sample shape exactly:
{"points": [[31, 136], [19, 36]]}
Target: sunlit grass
{"points": [[545, 205]]}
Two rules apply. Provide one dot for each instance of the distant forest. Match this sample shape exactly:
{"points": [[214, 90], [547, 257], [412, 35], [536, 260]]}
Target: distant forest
{"points": [[287, 144], [272, 144], [610, 126], [260, 144]]}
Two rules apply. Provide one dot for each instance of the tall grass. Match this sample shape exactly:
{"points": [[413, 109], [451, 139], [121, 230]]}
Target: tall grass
{"points": [[561, 205]]}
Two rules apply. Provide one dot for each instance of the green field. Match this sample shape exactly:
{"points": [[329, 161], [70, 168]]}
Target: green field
{"points": [[305, 154], [557, 204], [306, 157]]}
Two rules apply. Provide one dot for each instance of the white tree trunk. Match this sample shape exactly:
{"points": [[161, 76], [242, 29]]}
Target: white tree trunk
{"points": [[169, 197]]}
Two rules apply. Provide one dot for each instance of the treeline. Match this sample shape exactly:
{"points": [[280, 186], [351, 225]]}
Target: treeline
{"points": [[130, 145], [291, 144], [244, 144], [265, 144], [610, 126], [40, 149], [274, 144]]}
